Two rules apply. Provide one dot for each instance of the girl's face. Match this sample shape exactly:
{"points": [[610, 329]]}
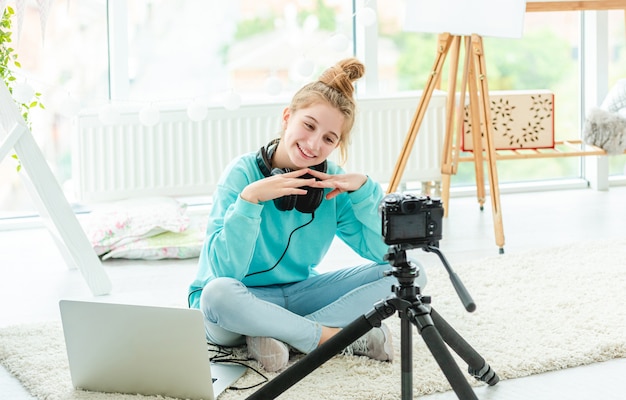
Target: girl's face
{"points": [[310, 135]]}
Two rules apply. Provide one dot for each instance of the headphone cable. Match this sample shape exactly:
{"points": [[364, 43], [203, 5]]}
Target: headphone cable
{"points": [[286, 248]]}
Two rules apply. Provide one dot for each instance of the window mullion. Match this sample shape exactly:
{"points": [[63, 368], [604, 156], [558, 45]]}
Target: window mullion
{"points": [[594, 78], [117, 31]]}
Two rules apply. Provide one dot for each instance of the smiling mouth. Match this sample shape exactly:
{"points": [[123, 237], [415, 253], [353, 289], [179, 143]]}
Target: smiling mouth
{"points": [[304, 153]]}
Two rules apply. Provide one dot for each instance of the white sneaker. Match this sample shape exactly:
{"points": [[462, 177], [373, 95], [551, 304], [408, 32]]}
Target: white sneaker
{"points": [[271, 353], [375, 344]]}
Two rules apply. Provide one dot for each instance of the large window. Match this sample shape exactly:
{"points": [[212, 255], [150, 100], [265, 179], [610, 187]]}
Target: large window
{"points": [[160, 51], [256, 49]]}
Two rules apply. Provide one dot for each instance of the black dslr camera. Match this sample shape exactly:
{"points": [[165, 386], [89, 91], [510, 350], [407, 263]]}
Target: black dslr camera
{"points": [[411, 219]]}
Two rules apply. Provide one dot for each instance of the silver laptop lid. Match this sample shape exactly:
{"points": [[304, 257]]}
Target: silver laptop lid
{"points": [[121, 348]]}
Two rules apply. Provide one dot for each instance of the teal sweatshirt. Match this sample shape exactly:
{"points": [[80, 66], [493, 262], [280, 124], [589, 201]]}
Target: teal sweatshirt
{"points": [[243, 238]]}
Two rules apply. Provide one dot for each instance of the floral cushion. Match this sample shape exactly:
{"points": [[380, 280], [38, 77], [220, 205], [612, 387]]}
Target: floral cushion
{"points": [[119, 223], [186, 244]]}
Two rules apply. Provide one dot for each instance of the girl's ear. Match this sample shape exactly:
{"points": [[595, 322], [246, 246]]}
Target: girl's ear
{"points": [[286, 115]]}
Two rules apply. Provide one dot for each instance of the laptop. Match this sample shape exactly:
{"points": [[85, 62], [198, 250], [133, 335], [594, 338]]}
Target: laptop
{"points": [[123, 348]]}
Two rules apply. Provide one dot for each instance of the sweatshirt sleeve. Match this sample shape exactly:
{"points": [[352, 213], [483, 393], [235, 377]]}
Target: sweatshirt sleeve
{"points": [[359, 223], [232, 229]]}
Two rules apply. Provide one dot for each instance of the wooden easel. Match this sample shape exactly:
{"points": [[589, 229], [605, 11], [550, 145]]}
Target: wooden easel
{"points": [[48, 197], [474, 81]]}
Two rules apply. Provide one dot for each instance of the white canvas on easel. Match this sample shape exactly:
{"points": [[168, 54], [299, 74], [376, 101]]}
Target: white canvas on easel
{"points": [[48, 197], [495, 18]]}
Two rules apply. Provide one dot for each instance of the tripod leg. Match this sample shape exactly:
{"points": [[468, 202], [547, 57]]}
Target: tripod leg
{"points": [[325, 352], [420, 316], [490, 150], [477, 366], [406, 362]]}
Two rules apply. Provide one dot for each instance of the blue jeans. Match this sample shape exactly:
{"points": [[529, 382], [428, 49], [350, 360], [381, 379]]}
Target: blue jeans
{"points": [[294, 313]]}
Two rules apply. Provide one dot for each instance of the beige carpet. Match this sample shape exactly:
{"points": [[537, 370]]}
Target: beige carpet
{"points": [[539, 311]]}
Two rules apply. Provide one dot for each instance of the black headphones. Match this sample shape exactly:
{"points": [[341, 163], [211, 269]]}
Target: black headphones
{"points": [[307, 203]]}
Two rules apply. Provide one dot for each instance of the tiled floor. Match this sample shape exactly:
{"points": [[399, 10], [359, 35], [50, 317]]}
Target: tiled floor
{"points": [[33, 276]]}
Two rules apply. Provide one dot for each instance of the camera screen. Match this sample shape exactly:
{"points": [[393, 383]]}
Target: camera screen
{"points": [[406, 227]]}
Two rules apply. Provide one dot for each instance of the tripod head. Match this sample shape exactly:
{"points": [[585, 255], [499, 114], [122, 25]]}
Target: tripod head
{"points": [[406, 272]]}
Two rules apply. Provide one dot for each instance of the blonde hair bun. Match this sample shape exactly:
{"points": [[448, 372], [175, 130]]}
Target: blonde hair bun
{"points": [[342, 75]]}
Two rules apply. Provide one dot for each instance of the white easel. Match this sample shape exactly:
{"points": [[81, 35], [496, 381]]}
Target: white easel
{"points": [[48, 196]]}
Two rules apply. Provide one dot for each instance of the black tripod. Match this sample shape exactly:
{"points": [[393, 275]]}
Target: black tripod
{"points": [[413, 308]]}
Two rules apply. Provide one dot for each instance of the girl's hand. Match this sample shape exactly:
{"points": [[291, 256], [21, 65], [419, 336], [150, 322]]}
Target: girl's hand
{"points": [[339, 183], [279, 185]]}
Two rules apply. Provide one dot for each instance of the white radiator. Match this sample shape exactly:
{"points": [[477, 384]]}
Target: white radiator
{"points": [[182, 158]]}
